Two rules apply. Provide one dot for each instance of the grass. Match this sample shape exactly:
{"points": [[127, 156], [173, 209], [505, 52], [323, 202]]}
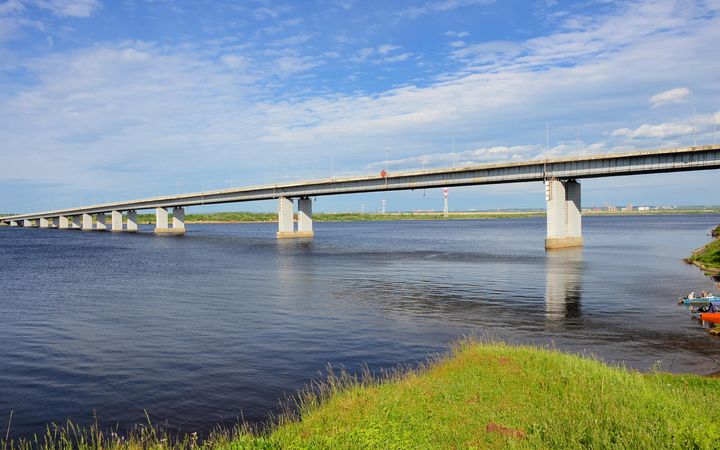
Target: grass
{"points": [[482, 395], [708, 257]]}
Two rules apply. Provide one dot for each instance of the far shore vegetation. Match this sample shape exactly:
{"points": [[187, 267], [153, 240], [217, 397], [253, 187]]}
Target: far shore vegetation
{"points": [[480, 395], [707, 257], [255, 217]]}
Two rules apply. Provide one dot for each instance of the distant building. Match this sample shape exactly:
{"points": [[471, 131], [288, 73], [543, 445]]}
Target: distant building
{"points": [[629, 207], [643, 208]]}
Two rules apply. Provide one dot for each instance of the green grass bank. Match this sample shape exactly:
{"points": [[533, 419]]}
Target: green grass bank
{"points": [[707, 258], [481, 395]]}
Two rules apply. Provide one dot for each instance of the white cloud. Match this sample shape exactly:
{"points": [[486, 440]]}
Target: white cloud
{"points": [[457, 34], [463, 158], [488, 52], [663, 130], [441, 6], [599, 35], [11, 7], [289, 65], [398, 58], [384, 49], [677, 95], [234, 61], [267, 12], [70, 8], [380, 54]]}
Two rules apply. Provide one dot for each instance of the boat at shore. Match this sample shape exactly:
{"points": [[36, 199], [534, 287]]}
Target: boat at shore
{"points": [[713, 317], [699, 301]]}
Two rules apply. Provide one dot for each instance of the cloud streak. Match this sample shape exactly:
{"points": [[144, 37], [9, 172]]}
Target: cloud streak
{"points": [[677, 95]]}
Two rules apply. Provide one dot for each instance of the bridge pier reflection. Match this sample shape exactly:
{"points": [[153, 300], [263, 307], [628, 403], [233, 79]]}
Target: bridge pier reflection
{"points": [[563, 283]]}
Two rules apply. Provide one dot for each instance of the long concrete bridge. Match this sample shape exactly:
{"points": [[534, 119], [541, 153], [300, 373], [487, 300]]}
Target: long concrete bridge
{"points": [[562, 192]]}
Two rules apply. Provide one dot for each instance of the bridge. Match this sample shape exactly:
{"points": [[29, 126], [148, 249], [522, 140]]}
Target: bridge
{"points": [[560, 176]]}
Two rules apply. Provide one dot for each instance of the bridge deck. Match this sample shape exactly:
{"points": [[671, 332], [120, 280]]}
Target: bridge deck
{"points": [[589, 166]]}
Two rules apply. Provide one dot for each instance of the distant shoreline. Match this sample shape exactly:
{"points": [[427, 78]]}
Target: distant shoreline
{"points": [[251, 217], [220, 218]]}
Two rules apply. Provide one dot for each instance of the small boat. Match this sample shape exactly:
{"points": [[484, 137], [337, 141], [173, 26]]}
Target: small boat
{"points": [[699, 301], [710, 317]]}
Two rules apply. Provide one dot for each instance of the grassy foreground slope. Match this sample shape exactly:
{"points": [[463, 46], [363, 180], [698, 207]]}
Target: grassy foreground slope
{"points": [[480, 396], [498, 396]]}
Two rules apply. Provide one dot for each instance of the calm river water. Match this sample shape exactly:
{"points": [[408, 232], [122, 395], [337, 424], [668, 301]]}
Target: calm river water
{"points": [[201, 329]]}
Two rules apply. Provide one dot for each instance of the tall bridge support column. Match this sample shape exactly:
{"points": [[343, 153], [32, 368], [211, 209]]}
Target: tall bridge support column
{"points": [[13, 223], [132, 223], [116, 220], [100, 223], [29, 223], [44, 223], [63, 223], [161, 221], [305, 225], [87, 222], [564, 221], [178, 222], [76, 222], [286, 222]]}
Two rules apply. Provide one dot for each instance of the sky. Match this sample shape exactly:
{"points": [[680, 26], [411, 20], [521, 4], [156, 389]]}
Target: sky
{"points": [[110, 100]]}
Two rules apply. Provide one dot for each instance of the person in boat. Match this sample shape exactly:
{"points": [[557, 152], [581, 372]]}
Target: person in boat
{"points": [[691, 295]]}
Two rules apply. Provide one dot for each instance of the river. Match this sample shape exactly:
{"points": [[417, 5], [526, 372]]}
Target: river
{"points": [[202, 329]]}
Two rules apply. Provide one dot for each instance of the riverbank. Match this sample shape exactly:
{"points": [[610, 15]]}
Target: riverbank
{"points": [[253, 217], [707, 258], [480, 396]]}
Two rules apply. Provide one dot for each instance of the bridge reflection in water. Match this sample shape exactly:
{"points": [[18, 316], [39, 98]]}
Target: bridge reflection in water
{"points": [[563, 284]]}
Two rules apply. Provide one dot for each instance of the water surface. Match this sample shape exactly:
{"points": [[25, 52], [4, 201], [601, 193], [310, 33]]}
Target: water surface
{"points": [[201, 329]]}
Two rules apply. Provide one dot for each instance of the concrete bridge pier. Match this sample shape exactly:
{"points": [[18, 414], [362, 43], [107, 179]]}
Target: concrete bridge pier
{"points": [[100, 222], [13, 223], [305, 224], [27, 223], [286, 227], [44, 223], [178, 222], [132, 223], [161, 221], [286, 222], [63, 223], [564, 220], [116, 219], [87, 222]]}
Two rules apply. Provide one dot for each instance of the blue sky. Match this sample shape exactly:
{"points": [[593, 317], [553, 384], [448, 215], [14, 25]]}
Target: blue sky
{"points": [[102, 101]]}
